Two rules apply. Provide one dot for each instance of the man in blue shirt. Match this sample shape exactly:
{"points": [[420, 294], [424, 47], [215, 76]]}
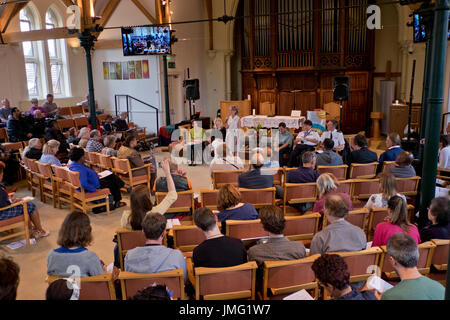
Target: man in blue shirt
{"points": [[255, 179], [90, 182]]}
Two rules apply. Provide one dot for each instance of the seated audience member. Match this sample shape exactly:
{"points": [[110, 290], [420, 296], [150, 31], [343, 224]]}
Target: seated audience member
{"points": [[16, 127], [305, 173], [339, 235], [128, 151], [153, 292], [285, 139], [361, 152], [154, 256], [36, 228], [403, 167], [224, 160], [90, 182], [51, 109], [83, 137], [393, 144], [439, 215], [332, 272], [388, 189], [397, 221], [270, 163], [63, 289], [182, 183], [333, 134], [5, 112], [254, 178], [53, 133], [74, 236], [33, 150], [306, 140], [444, 152], [217, 251], [39, 124], [9, 279], [403, 255], [328, 157], [121, 124], [94, 145], [327, 184], [73, 136], [230, 205], [110, 143], [35, 107], [108, 126], [49, 152], [277, 246]]}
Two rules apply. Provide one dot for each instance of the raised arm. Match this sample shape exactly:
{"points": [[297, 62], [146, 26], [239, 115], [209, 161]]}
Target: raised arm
{"points": [[166, 168]]}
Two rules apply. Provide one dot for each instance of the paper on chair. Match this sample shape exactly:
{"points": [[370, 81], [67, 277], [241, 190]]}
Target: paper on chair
{"points": [[299, 295], [104, 174], [20, 244], [369, 245], [28, 198]]}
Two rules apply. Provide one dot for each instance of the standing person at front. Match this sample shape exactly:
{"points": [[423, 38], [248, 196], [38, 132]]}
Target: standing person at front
{"points": [[306, 140], [232, 125], [339, 235], [403, 254]]}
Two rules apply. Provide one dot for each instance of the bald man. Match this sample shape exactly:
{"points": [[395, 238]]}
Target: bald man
{"points": [[254, 179]]}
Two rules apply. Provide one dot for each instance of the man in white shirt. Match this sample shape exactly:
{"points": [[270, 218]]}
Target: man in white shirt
{"points": [[333, 134], [306, 140]]}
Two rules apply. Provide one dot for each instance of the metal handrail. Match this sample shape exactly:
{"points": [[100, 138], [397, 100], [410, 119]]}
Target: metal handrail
{"points": [[140, 101]]}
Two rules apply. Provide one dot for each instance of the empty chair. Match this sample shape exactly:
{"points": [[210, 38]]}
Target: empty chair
{"points": [[65, 112], [76, 111], [184, 202], [301, 227], [64, 188], [128, 239], [362, 189], [340, 172], [245, 229], [186, 238], [131, 282], [237, 282], [281, 278], [295, 193], [209, 198], [440, 260], [221, 177], [363, 170], [408, 186], [361, 264], [258, 197], [99, 287], [81, 122], [65, 124]]}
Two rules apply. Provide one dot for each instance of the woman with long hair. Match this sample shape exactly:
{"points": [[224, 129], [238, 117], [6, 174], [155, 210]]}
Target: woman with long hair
{"points": [[388, 189]]}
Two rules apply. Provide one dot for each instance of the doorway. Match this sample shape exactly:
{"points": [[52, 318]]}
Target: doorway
{"points": [[176, 99]]}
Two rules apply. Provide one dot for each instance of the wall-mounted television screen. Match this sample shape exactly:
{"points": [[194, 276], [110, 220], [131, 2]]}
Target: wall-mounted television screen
{"points": [[146, 40], [420, 30]]}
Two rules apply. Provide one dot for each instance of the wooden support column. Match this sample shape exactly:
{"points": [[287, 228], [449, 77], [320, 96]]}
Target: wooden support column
{"points": [[209, 9]]}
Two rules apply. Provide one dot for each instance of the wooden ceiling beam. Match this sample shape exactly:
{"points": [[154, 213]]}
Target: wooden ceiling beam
{"points": [[9, 13], [38, 35], [145, 11], [108, 12], [68, 3]]}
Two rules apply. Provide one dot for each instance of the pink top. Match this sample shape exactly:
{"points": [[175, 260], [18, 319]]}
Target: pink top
{"points": [[319, 205], [385, 230]]}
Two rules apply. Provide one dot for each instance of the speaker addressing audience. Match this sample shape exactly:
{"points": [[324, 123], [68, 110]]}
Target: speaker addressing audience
{"points": [[403, 255], [328, 157], [217, 251], [439, 217], [361, 152], [339, 235], [9, 279]]}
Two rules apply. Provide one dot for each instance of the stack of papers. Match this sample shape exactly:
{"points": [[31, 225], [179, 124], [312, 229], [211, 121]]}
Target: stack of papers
{"points": [[299, 295], [172, 222], [19, 244], [104, 174]]}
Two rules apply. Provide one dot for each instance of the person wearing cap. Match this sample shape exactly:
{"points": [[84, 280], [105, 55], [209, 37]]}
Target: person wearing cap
{"points": [[35, 107]]}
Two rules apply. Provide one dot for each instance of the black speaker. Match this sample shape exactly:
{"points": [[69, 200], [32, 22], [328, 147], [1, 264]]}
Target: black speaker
{"points": [[341, 88], [192, 89]]}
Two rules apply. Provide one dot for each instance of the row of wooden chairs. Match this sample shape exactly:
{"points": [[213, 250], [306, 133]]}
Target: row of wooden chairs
{"points": [[77, 111], [279, 279]]}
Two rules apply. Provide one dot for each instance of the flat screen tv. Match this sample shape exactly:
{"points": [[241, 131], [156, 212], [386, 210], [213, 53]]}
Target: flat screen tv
{"points": [[420, 30], [146, 40]]}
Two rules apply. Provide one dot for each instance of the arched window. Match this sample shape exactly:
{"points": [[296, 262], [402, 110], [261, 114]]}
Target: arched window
{"points": [[57, 56], [32, 51]]}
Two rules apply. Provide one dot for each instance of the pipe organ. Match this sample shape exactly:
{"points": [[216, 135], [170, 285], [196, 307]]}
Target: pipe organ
{"points": [[292, 49]]}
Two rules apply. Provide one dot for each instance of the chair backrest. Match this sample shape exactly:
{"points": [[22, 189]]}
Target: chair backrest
{"points": [[94, 158], [277, 174], [81, 122], [363, 170], [387, 165], [209, 198], [426, 253], [99, 287], [364, 188], [356, 217], [75, 110], [359, 262], [408, 186], [4, 134], [74, 179], [45, 169], [301, 227], [281, 278], [123, 165], [440, 256], [65, 111], [62, 173], [300, 192], [258, 197], [245, 229], [345, 186], [64, 124], [340, 172], [33, 166], [184, 202], [127, 240], [236, 282], [105, 161], [186, 238], [7, 146], [131, 282], [221, 177], [101, 117]]}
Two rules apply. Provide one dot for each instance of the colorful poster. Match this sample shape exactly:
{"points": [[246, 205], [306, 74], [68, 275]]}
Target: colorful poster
{"points": [[112, 71], [138, 69], [119, 70], [125, 74], [145, 71], [131, 69], [106, 70]]}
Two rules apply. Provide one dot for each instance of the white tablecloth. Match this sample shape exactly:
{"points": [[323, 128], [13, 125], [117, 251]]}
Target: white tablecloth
{"points": [[272, 122]]}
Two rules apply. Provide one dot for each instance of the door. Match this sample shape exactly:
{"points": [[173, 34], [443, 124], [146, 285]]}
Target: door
{"points": [[176, 99]]}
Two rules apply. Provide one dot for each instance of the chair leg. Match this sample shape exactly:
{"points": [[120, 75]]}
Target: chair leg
{"points": [[27, 235], [107, 206]]}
